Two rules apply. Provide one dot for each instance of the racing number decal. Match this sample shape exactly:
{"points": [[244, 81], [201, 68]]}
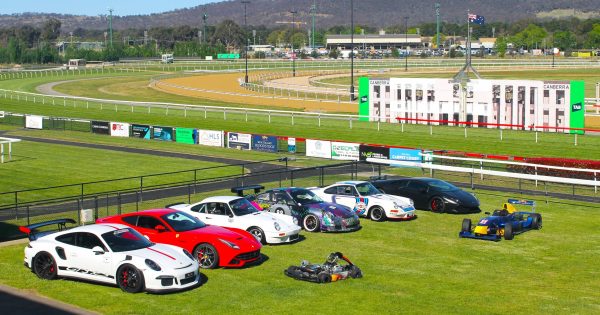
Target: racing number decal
{"points": [[361, 205]]}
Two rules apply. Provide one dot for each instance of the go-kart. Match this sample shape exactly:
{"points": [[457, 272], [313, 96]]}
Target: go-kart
{"points": [[330, 271]]}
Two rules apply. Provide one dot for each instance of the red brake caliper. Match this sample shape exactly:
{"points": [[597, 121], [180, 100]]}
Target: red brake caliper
{"points": [[125, 278]]}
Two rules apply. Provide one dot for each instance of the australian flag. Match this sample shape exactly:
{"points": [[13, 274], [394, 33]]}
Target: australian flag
{"points": [[477, 19]]}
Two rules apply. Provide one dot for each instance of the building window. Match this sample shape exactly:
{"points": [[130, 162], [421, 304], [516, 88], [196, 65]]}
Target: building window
{"points": [[560, 97], [419, 95], [377, 91], [408, 95], [430, 95], [399, 94]]}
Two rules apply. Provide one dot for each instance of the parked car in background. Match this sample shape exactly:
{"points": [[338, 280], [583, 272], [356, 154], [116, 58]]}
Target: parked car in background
{"points": [[213, 246], [238, 212], [108, 253], [364, 199], [430, 194], [312, 212]]}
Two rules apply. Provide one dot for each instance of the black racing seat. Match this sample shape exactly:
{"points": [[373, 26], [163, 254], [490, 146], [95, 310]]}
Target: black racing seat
{"points": [[500, 213]]}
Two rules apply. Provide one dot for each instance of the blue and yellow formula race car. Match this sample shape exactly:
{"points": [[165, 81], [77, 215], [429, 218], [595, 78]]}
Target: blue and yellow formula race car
{"points": [[503, 223]]}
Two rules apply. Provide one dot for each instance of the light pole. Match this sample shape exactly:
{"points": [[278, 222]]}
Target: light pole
{"points": [[406, 43], [293, 12], [351, 50], [245, 2], [110, 30]]}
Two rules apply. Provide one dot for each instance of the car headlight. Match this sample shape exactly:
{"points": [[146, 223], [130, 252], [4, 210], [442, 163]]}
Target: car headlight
{"points": [[295, 220], [230, 244], [450, 200], [152, 265], [276, 225], [188, 254]]}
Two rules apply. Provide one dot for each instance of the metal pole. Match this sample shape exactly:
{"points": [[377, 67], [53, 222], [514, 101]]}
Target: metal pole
{"points": [[245, 2], [351, 50], [406, 43]]}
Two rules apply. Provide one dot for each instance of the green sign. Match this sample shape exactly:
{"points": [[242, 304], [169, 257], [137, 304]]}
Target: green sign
{"points": [[577, 119], [363, 98], [228, 56], [186, 135]]}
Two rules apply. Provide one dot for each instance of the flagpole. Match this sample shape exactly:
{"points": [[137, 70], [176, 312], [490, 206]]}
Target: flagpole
{"points": [[468, 55]]}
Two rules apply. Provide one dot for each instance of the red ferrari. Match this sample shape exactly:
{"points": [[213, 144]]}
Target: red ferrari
{"points": [[212, 245]]}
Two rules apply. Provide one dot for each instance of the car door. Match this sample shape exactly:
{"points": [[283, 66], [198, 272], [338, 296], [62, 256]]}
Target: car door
{"points": [[87, 263], [345, 195], [417, 191], [154, 229], [216, 213]]}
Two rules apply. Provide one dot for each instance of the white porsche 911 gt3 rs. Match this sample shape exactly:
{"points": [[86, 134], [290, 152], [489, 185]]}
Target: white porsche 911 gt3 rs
{"points": [[108, 253]]}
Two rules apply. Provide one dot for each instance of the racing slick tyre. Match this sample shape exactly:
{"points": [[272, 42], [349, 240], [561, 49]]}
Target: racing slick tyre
{"points": [[377, 214], [508, 232], [44, 266], [258, 233], [130, 279], [207, 256], [466, 225], [536, 221], [311, 223], [355, 272], [437, 205], [324, 277]]}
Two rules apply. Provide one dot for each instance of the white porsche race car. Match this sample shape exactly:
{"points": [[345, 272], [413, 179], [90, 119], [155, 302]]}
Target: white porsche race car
{"points": [[238, 212], [367, 201], [108, 253]]}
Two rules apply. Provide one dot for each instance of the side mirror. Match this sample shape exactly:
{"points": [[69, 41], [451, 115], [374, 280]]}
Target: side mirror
{"points": [[98, 250], [160, 228]]}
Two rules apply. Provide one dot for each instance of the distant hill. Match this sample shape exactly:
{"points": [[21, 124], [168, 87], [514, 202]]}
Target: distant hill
{"points": [[375, 13]]}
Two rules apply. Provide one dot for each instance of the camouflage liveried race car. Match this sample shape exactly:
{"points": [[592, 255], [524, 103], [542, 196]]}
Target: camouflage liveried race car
{"points": [[330, 271]]}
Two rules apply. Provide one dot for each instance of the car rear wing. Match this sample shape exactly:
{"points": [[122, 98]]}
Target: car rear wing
{"points": [[523, 202], [33, 232], [175, 204], [239, 190]]}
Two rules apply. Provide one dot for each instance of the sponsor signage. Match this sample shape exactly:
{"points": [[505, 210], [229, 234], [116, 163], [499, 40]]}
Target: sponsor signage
{"points": [[240, 141], [186, 135], [1, 114], [140, 131], [228, 56], [264, 143], [34, 122], [210, 138], [162, 133], [344, 151], [557, 85], [318, 148], [405, 154], [101, 127], [371, 151], [119, 129], [577, 107], [291, 145]]}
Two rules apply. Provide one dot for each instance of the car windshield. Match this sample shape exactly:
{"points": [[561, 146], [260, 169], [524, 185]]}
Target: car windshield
{"points": [[181, 222], [439, 185], [367, 189], [125, 240], [305, 196], [242, 206]]}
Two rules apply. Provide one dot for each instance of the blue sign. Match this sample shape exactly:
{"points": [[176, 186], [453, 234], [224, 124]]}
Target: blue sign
{"points": [[162, 133], [264, 143], [405, 154]]}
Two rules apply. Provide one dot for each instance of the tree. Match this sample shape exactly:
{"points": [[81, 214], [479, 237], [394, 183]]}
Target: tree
{"points": [[564, 40], [51, 30], [530, 37], [229, 34], [501, 46], [298, 39], [593, 37], [442, 40]]}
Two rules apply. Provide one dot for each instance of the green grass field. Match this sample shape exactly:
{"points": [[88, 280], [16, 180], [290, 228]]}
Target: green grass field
{"points": [[412, 267]]}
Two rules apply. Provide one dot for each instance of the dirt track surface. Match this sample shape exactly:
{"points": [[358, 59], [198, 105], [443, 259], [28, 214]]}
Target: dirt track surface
{"points": [[225, 87]]}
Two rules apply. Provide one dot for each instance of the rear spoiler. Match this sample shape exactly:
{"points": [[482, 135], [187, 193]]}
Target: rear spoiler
{"points": [[33, 234], [239, 190], [175, 204], [530, 203]]}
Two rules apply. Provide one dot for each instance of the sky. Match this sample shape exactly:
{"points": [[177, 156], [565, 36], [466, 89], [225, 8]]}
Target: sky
{"points": [[93, 8]]}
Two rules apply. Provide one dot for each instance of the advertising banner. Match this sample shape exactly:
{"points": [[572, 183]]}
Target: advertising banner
{"points": [[292, 145], [318, 148], [119, 129], [186, 135], [264, 143], [370, 151], [405, 154], [101, 127], [240, 141], [344, 151], [162, 133], [210, 138], [1, 114], [140, 131], [34, 122]]}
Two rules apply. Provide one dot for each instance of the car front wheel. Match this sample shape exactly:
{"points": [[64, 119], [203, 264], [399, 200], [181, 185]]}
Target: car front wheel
{"points": [[207, 256], [130, 279], [311, 223], [258, 234], [437, 204]]}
